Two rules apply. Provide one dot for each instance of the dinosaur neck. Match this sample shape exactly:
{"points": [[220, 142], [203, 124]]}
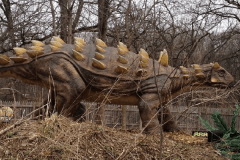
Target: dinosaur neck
{"points": [[191, 77]]}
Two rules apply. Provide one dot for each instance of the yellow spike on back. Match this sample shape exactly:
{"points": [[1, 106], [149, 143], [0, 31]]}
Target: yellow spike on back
{"points": [[121, 52], [144, 59], [122, 60], [97, 64], [80, 40], [78, 56], [79, 46], [56, 44], [216, 65], [100, 43], [200, 75], [195, 65], [34, 53], [4, 60], [123, 47], [163, 58], [19, 51], [37, 48], [198, 69], [99, 56], [143, 53], [100, 49], [54, 48], [18, 59], [37, 43], [121, 70], [143, 65], [58, 39]]}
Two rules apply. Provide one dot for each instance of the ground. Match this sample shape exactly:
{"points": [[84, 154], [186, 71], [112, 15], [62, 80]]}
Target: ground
{"points": [[60, 138]]}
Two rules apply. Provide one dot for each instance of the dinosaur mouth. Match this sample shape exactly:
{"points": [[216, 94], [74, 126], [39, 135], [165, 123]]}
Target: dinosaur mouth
{"points": [[219, 85]]}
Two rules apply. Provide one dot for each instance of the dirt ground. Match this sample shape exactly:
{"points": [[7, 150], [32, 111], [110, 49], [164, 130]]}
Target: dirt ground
{"points": [[60, 138]]}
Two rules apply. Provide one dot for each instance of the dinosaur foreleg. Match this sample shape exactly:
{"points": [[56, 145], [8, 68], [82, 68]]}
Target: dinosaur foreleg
{"points": [[148, 109], [169, 123]]}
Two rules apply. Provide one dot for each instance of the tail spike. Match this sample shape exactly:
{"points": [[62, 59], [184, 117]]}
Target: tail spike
{"points": [[80, 40], [19, 51], [37, 43], [78, 56], [56, 44], [58, 39], [97, 64], [100, 43], [122, 60], [163, 58], [121, 70], [99, 56], [100, 49]]}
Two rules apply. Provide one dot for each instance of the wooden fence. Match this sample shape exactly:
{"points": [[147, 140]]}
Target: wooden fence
{"points": [[113, 115]]}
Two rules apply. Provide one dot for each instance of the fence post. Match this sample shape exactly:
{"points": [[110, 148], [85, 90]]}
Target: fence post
{"points": [[124, 117]]}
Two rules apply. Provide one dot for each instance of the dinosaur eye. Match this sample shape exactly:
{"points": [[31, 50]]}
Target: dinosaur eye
{"points": [[221, 73]]}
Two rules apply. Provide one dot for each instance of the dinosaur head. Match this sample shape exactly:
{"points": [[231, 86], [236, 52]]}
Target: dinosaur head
{"points": [[219, 76]]}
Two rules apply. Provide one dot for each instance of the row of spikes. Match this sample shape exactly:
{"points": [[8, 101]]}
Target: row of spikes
{"points": [[197, 70]]}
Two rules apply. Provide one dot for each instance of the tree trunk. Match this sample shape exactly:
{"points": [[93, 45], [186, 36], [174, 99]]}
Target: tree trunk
{"points": [[8, 14], [103, 15], [63, 19]]}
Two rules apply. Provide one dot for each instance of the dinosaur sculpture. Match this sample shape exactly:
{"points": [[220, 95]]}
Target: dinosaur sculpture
{"points": [[97, 73]]}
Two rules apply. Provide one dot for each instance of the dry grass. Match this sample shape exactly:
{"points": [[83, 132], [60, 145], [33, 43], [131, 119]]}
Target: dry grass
{"points": [[60, 138]]}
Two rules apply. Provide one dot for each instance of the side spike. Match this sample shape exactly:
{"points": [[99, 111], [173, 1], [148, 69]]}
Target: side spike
{"points": [[97, 64], [122, 60], [34, 53], [54, 48], [19, 51], [58, 39], [186, 76], [100, 49], [37, 48], [80, 40], [143, 53], [121, 70], [163, 58], [100, 43], [141, 72], [18, 59], [4, 60], [214, 80], [78, 56], [200, 75], [56, 44], [198, 70], [37, 43], [143, 65], [216, 65], [99, 56]]}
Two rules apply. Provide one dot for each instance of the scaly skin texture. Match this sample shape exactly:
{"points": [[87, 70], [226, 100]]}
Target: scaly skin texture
{"points": [[74, 80]]}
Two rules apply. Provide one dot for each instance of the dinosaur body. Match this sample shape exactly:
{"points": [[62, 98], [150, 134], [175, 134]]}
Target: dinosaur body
{"points": [[98, 73]]}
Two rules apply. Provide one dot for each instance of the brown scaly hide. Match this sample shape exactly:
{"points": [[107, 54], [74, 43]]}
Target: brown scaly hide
{"points": [[112, 75]]}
